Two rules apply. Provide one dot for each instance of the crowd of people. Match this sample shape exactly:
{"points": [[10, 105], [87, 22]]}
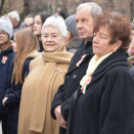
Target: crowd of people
{"points": [[71, 75]]}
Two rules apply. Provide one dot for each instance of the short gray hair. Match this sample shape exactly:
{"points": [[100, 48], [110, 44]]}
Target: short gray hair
{"points": [[95, 9], [14, 15], [57, 22]]}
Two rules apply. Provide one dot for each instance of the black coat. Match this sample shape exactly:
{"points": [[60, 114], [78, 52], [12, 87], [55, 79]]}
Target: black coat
{"points": [[107, 107], [6, 68], [73, 76], [13, 101], [40, 49]]}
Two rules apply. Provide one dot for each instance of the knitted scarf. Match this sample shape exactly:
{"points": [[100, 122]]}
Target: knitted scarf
{"points": [[49, 75]]}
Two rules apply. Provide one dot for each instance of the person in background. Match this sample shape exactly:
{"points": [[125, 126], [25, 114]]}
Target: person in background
{"points": [[85, 15], [131, 53], [6, 66], [104, 101], [47, 72], [25, 44], [39, 19], [132, 30], [15, 19], [72, 41], [28, 22], [61, 13]]}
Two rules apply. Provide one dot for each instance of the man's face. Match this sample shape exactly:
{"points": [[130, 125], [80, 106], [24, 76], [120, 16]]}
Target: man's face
{"points": [[84, 24]]}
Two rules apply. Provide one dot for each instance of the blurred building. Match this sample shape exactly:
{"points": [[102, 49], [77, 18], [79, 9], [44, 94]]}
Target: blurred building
{"points": [[68, 6]]}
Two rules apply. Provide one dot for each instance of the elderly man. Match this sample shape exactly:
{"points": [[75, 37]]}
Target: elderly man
{"points": [[15, 19], [85, 16]]}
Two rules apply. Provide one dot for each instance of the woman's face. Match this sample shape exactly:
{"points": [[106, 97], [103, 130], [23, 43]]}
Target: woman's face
{"points": [[14, 45], [52, 39], [37, 25], [101, 44], [3, 37]]}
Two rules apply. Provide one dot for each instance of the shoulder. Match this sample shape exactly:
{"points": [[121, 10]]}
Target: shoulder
{"points": [[121, 72], [37, 62], [70, 55], [27, 62]]}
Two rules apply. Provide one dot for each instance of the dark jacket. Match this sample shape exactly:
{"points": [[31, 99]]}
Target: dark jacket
{"points": [[107, 107], [74, 45], [6, 68], [73, 77], [40, 49], [13, 101]]}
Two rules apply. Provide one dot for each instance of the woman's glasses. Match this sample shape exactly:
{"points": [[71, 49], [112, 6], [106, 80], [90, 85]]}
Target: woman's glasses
{"points": [[3, 34]]}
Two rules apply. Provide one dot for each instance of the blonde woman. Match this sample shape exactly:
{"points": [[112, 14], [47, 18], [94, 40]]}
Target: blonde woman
{"points": [[26, 44]]}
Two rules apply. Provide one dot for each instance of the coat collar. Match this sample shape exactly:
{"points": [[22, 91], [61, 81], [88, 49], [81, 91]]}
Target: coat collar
{"points": [[118, 58], [84, 49]]}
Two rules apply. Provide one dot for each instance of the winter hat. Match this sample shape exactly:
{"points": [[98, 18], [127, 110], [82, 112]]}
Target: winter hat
{"points": [[71, 25], [6, 26]]}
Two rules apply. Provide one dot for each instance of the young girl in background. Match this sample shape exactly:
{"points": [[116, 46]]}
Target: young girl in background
{"points": [[26, 44], [39, 19]]}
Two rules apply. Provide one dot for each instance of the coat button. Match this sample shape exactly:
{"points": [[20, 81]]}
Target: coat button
{"points": [[74, 76], [67, 77]]}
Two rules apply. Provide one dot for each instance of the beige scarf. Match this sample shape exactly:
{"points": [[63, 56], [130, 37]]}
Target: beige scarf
{"points": [[93, 64], [46, 86]]}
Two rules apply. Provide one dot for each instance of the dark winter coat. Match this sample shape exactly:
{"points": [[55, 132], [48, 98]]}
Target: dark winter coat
{"points": [[107, 107], [40, 49], [73, 77], [14, 96], [13, 100], [74, 45], [6, 68]]}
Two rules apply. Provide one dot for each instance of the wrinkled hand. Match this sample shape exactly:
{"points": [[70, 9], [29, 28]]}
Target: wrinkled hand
{"points": [[4, 100], [59, 117]]}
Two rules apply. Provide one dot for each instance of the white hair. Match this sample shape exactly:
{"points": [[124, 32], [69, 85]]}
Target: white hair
{"points": [[95, 9], [57, 22], [14, 15]]}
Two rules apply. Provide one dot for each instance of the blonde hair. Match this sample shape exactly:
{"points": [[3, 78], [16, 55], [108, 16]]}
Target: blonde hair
{"points": [[26, 42]]}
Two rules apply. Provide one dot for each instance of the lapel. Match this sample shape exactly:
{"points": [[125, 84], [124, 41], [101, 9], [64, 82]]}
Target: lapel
{"points": [[85, 49], [116, 59]]}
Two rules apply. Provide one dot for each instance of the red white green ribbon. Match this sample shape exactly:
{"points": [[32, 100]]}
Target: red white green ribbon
{"points": [[79, 62], [4, 59], [83, 89]]}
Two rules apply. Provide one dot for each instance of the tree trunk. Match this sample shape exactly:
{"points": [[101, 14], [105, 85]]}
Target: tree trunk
{"points": [[1, 7], [26, 7]]}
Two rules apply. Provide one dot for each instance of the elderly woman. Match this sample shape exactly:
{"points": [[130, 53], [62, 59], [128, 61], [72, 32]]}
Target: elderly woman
{"points": [[47, 73], [103, 104]]}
